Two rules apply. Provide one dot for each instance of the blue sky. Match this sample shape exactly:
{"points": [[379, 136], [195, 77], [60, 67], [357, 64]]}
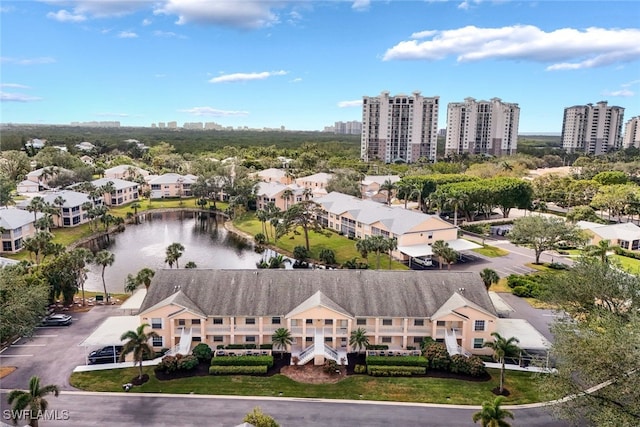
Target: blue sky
{"points": [[307, 64]]}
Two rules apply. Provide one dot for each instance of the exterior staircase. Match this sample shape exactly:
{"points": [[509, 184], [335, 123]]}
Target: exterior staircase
{"points": [[184, 346], [452, 343]]}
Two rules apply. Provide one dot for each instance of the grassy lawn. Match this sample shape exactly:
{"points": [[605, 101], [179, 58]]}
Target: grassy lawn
{"points": [[344, 248], [428, 390], [491, 251]]}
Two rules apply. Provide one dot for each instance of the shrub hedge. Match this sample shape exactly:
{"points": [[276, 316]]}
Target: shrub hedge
{"points": [[242, 361], [473, 366], [397, 361], [238, 370], [438, 356], [202, 351], [178, 362], [360, 369], [395, 371], [377, 347]]}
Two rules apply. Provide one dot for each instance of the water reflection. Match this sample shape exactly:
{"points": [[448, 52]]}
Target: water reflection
{"points": [[205, 240]]}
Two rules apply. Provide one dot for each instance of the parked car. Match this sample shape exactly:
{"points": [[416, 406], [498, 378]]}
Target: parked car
{"points": [[105, 355], [425, 262], [57, 320]]}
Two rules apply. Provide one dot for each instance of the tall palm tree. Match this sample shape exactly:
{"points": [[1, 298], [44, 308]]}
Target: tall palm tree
{"points": [[144, 277], [59, 202], [449, 255], [109, 188], [439, 247], [489, 277], [174, 252], [287, 194], [138, 344], [135, 206], [104, 258], [601, 250], [282, 338], [492, 415], [130, 284], [502, 347], [358, 339], [32, 399], [363, 247], [388, 187], [36, 205], [391, 244]]}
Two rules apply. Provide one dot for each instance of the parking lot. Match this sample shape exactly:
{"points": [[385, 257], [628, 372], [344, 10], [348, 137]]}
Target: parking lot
{"points": [[53, 351]]}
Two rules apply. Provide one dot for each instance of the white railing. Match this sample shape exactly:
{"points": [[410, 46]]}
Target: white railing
{"points": [[330, 353], [306, 355], [452, 344]]}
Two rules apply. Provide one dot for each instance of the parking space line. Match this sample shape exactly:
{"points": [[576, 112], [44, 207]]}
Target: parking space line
{"points": [[28, 345], [16, 340], [16, 355], [44, 336]]}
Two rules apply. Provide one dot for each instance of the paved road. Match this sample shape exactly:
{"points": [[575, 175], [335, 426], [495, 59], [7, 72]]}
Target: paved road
{"points": [[120, 409]]}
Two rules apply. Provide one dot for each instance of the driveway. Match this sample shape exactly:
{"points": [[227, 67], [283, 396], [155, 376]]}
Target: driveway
{"points": [[53, 352]]}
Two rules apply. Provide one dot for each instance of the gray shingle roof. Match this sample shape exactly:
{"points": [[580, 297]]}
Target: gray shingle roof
{"points": [[277, 292], [12, 218]]}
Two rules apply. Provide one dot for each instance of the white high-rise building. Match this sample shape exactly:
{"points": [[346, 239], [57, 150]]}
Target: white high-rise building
{"points": [[632, 133], [399, 128], [592, 129], [482, 127]]}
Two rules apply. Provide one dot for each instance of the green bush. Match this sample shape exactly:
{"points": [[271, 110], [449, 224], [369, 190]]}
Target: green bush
{"points": [[472, 366], [260, 238], [476, 367], [203, 352], [397, 361], [187, 363], [396, 371], [330, 366], [360, 369], [238, 370], [266, 346], [377, 347], [167, 364], [438, 356], [240, 347], [242, 361]]}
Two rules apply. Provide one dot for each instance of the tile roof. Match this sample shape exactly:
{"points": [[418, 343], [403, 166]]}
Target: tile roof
{"points": [[278, 292]]}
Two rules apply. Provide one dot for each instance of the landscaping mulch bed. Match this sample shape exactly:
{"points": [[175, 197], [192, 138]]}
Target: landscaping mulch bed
{"points": [[311, 374], [203, 369]]}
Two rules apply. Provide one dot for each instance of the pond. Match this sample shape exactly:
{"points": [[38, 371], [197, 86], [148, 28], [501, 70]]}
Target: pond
{"points": [[206, 242]]}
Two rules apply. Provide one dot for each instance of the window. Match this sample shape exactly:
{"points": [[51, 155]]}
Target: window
{"points": [[218, 338], [440, 323], [386, 340], [158, 342], [328, 321], [478, 325], [361, 321], [156, 323], [309, 321], [418, 322], [250, 338], [197, 339], [308, 339], [478, 342], [328, 339], [217, 320], [250, 321], [275, 320], [181, 322], [417, 340], [195, 321], [387, 322]]}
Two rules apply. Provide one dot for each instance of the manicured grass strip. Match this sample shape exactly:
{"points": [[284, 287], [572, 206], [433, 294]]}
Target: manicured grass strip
{"points": [[239, 370], [491, 251], [426, 389]]}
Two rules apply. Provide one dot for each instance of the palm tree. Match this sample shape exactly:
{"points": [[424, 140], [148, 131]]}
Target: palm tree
{"points": [[489, 277], [492, 415], [449, 255], [601, 250], [174, 252], [388, 187], [502, 347], [130, 284], [263, 217], [59, 202], [439, 248], [36, 205], [108, 188], [282, 338], [32, 399], [144, 277], [138, 344], [104, 258], [135, 206], [191, 264], [363, 247], [391, 244], [358, 339], [287, 194]]}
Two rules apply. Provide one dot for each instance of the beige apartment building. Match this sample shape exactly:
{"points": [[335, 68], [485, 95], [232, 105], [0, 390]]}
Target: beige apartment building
{"points": [[320, 308], [632, 133], [592, 129], [123, 191], [482, 127]]}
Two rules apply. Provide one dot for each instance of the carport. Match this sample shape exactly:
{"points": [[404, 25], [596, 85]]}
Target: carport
{"points": [[109, 333], [134, 302], [532, 342], [425, 250]]}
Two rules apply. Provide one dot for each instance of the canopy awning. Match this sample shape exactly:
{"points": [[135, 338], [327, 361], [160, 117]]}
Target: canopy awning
{"points": [[134, 301], [110, 331], [459, 245]]}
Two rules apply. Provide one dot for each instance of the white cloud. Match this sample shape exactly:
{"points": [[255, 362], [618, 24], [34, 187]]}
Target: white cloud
{"points": [[361, 5], [146, 22], [14, 86], [623, 93], [28, 61], [247, 14], [631, 83], [167, 34], [243, 77], [7, 9], [127, 35], [213, 112], [104, 8], [65, 16], [565, 48], [17, 97], [296, 80], [349, 104]]}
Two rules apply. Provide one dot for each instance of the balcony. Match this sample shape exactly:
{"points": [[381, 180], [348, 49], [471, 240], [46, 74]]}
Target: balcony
{"points": [[390, 329], [212, 329]]}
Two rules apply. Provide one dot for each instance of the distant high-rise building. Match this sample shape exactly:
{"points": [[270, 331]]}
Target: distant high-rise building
{"points": [[482, 127], [592, 129], [632, 133], [172, 125], [193, 125], [399, 128], [353, 127]]}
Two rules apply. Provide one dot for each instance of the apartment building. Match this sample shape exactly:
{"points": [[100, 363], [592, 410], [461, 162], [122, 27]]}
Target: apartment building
{"points": [[282, 196], [482, 127], [400, 128], [123, 191], [17, 225], [170, 185], [320, 308], [632, 133], [592, 129], [125, 172]]}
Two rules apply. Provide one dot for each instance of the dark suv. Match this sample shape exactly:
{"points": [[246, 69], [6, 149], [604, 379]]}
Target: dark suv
{"points": [[108, 354]]}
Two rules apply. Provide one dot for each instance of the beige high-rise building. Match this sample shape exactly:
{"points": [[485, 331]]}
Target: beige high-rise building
{"points": [[399, 128], [632, 133], [592, 129], [482, 127]]}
